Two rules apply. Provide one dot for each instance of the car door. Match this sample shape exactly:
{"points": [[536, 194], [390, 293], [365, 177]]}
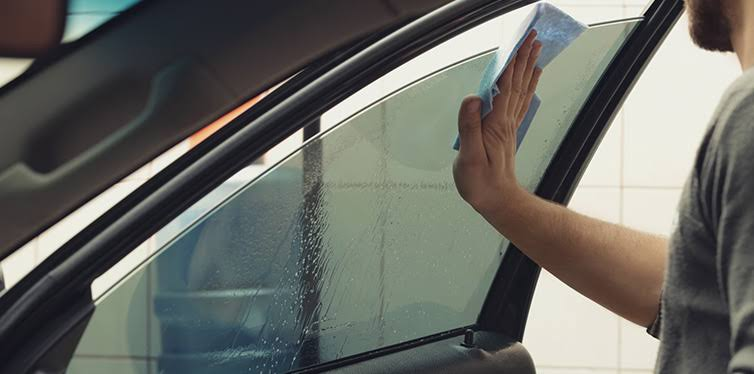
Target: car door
{"points": [[353, 253]]}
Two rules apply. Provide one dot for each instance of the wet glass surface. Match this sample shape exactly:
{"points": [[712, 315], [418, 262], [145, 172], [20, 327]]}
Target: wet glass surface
{"points": [[356, 241]]}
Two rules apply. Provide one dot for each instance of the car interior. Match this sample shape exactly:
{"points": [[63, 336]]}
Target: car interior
{"points": [[352, 252]]}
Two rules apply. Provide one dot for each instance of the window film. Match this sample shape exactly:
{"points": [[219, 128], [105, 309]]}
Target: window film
{"points": [[356, 241]]}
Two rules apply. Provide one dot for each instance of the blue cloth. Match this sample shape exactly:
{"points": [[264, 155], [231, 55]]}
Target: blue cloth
{"points": [[556, 30]]}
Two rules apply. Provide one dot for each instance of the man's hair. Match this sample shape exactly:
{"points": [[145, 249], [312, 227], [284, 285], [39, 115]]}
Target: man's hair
{"points": [[710, 24]]}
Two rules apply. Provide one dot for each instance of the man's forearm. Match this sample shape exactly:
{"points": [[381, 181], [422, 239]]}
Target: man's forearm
{"points": [[620, 268]]}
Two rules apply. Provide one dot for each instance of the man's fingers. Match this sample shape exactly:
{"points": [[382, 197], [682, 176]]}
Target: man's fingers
{"points": [[513, 82], [520, 66], [529, 95], [528, 74], [470, 129], [501, 101]]}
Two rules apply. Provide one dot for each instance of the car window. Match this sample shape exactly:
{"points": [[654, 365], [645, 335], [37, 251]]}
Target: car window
{"points": [[356, 241]]}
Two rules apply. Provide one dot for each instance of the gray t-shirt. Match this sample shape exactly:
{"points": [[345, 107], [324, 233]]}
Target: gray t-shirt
{"points": [[706, 323]]}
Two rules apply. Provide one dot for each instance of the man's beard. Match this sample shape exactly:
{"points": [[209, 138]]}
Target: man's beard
{"points": [[709, 24]]}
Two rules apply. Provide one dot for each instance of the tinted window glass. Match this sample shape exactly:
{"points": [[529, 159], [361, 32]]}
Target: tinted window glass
{"points": [[356, 241]]}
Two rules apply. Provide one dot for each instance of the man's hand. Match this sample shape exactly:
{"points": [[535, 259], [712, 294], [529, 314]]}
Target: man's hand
{"points": [[485, 167]]}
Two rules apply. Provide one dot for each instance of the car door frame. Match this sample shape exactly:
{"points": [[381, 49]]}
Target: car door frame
{"points": [[56, 296]]}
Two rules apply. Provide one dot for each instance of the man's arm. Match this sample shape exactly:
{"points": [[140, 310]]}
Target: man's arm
{"points": [[617, 267]]}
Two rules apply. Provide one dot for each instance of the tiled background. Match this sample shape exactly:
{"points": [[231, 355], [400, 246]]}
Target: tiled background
{"points": [[634, 179]]}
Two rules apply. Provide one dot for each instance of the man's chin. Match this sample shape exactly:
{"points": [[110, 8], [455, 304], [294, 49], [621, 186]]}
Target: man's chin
{"points": [[709, 26], [715, 44]]}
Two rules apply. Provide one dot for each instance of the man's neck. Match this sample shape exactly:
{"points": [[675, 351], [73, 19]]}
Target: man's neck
{"points": [[742, 36]]}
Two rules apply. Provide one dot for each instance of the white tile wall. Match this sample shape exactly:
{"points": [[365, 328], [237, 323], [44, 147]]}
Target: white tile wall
{"points": [[638, 350], [651, 209], [600, 202], [568, 330]]}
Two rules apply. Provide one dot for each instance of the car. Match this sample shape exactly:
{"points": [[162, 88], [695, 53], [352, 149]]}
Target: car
{"points": [[351, 252]]}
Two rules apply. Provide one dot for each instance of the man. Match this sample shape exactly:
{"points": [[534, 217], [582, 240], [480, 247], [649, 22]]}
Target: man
{"points": [[695, 291]]}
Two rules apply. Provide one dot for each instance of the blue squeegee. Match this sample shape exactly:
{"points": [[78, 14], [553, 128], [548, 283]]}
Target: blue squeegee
{"points": [[556, 30]]}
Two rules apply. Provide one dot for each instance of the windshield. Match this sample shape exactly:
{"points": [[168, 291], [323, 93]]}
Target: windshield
{"points": [[354, 242]]}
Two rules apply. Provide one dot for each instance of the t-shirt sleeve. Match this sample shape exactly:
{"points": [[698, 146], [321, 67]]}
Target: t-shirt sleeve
{"points": [[731, 205]]}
